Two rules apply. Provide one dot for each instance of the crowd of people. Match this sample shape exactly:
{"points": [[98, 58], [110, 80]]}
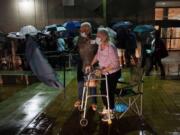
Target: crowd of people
{"points": [[54, 44]]}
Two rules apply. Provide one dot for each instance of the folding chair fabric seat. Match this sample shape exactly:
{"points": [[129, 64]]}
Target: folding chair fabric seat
{"points": [[126, 92]]}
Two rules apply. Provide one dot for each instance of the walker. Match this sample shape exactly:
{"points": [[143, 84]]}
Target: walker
{"points": [[91, 80]]}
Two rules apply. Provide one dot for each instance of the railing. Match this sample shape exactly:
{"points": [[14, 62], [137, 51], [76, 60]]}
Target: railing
{"points": [[65, 64]]}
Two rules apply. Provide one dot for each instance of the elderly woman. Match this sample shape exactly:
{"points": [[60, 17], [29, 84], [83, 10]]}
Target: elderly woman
{"points": [[86, 51], [108, 60]]}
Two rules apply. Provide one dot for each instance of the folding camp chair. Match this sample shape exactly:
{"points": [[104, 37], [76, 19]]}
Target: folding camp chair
{"points": [[130, 91]]}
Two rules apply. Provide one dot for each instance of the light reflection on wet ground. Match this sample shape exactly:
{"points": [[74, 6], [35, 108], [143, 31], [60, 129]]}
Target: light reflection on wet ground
{"points": [[19, 118], [25, 104], [126, 126], [160, 111], [161, 101]]}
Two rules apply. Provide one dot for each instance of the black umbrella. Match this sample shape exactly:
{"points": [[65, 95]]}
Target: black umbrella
{"points": [[122, 24], [144, 28], [40, 66]]}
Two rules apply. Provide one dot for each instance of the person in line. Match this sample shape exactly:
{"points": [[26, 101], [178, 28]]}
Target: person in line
{"points": [[160, 52], [147, 43], [86, 51], [121, 42], [108, 60], [130, 48]]}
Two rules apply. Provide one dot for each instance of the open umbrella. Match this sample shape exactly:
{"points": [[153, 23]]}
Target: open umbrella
{"points": [[111, 32], [72, 25], [29, 29], [61, 28], [53, 27], [15, 35], [144, 28], [40, 66], [122, 24]]}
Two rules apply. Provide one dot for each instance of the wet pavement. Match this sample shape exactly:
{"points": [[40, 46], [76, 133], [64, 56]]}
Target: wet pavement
{"points": [[21, 108], [172, 64], [125, 126], [161, 111], [7, 91]]}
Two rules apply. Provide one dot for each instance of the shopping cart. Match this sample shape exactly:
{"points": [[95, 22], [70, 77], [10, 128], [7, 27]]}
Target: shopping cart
{"points": [[91, 80]]}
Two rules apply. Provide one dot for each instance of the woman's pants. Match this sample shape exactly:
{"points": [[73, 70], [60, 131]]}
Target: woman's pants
{"points": [[112, 82]]}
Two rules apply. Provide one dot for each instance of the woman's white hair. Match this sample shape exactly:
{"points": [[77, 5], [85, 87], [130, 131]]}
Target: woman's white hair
{"points": [[105, 31], [101, 28]]}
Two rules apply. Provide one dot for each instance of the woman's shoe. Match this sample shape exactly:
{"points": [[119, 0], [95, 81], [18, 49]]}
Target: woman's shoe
{"points": [[105, 117], [104, 111]]}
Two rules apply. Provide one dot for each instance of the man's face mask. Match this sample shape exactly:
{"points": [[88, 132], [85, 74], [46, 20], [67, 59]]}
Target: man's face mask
{"points": [[83, 34]]}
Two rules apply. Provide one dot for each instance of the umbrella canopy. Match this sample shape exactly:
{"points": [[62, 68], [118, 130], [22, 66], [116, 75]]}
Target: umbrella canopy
{"points": [[40, 66], [53, 27], [29, 29], [15, 35], [61, 28], [122, 24], [111, 32], [144, 28], [72, 25]]}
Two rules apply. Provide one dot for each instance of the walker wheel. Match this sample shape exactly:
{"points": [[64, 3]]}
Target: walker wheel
{"points": [[109, 122], [83, 122]]}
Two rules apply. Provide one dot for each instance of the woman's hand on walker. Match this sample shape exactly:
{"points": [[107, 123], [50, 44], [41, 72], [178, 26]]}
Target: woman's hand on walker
{"points": [[100, 71]]}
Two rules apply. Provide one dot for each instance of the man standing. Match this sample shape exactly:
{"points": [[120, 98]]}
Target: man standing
{"points": [[87, 50]]}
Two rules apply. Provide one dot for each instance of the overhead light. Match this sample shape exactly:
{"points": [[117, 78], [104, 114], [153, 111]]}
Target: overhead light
{"points": [[26, 5]]}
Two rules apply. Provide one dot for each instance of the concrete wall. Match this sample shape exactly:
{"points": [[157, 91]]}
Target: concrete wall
{"points": [[43, 12]]}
